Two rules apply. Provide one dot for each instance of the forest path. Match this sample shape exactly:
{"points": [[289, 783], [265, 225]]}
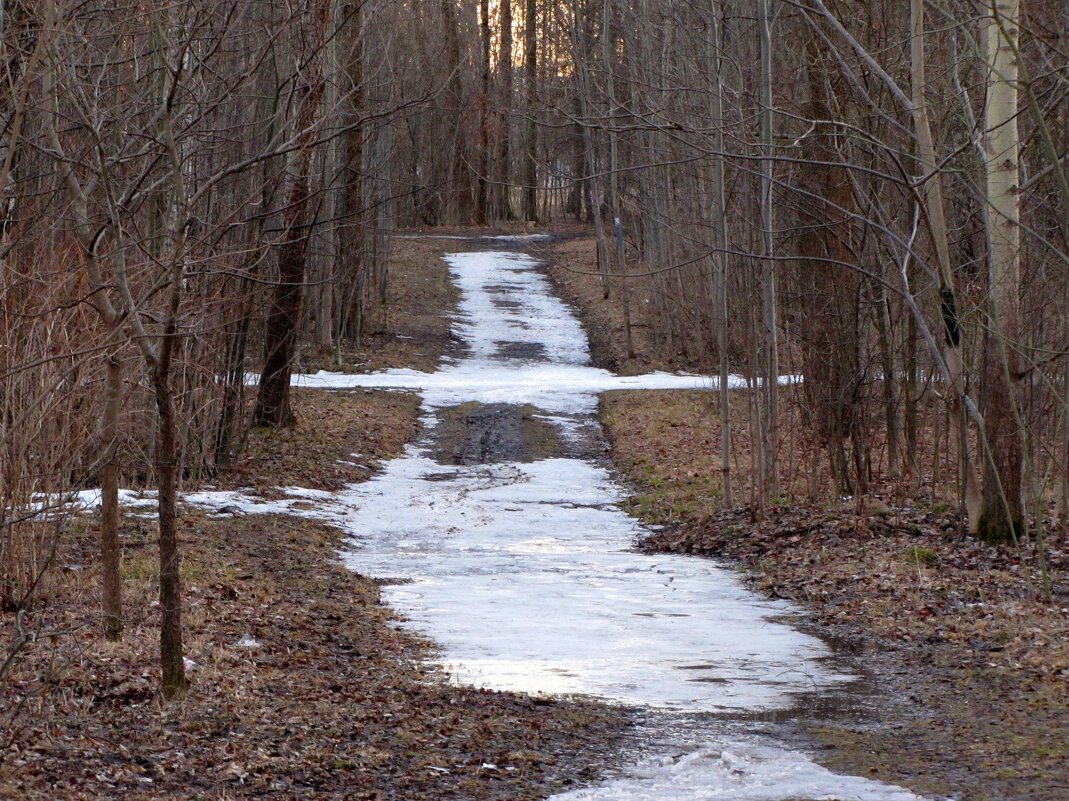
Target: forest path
{"points": [[499, 536]]}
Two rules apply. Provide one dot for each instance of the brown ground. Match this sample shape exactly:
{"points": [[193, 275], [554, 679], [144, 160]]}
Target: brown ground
{"points": [[336, 430], [332, 701], [970, 643], [570, 263], [412, 328]]}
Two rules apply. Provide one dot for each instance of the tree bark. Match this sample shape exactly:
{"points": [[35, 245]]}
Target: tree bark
{"points": [[458, 186], [614, 181], [530, 59], [482, 200], [503, 182], [1001, 515], [172, 665], [580, 47], [352, 253], [932, 201], [111, 585], [280, 335], [769, 303], [721, 227]]}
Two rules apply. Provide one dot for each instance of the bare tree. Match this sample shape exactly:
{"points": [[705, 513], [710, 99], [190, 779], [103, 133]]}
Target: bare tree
{"points": [[280, 335], [1001, 515], [530, 62]]}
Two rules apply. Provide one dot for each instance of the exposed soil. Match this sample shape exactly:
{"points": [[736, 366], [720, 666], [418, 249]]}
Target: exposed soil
{"points": [[487, 433]]}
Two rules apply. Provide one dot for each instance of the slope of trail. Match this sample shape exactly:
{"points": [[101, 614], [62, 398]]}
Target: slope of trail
{"points": [[501, 539]]}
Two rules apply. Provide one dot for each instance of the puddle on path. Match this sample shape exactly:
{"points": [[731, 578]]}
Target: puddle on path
{"points": [[518, 561]]}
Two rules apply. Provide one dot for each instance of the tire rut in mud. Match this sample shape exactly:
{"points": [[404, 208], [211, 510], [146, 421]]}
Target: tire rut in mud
{"points": [[491, 433]]}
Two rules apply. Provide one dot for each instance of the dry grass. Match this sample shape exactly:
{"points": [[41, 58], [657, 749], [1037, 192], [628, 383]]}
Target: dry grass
{"points": [[340, 436]]}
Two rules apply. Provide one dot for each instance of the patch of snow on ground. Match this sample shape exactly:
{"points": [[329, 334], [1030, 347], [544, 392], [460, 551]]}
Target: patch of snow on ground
{"points": [[737, 771], [525, 575]]}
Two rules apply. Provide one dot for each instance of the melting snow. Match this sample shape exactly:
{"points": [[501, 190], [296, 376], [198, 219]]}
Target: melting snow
{"points": [[737, 771], [524, 573]]}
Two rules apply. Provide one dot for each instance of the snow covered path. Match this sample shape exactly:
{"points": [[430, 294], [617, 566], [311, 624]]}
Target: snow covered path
{"points": [[524, 571]]}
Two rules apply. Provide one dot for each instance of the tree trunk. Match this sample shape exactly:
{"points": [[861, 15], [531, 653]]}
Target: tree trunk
{"points": [[284, 317], [111, 586], [530, 63], [1063, 511], [458, 186], [828, 325], [503, 184], [482, 200], [720, 226], [890, 386], [280, 335], [579, 45], [769, 312], [1001, 515], [352, 247], [614, 183], [173, 672], [172, 660], [574, 205], [932, 201]]}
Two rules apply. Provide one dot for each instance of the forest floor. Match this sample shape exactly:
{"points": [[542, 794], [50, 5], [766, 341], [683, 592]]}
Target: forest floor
{"points": [[302, 686], [967, 644]]}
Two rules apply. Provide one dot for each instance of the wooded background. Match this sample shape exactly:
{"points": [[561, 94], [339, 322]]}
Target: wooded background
{"points": [[871, 196]]}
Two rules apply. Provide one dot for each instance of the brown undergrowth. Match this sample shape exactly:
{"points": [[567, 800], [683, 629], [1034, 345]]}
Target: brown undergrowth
{"points": [[412, 327], [571, 263], [971, 642], [302, 686], [340, 436]]}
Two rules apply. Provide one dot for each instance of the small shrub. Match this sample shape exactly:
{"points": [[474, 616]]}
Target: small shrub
{"points": [[919, 555]]}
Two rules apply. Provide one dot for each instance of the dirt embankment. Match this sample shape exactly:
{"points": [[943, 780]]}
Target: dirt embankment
{"points": [[301, 684], [970, 643]]}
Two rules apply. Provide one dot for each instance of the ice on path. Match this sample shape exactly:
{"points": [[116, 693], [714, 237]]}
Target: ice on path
{"points": [[737, 771], [524, 573]]}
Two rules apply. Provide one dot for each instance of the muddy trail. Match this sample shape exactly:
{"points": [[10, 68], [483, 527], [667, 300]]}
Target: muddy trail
{"points": [[499, 536]]}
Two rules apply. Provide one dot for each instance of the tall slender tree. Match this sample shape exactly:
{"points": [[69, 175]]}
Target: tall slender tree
{"points": [[1001, 515], [530, 66]]}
